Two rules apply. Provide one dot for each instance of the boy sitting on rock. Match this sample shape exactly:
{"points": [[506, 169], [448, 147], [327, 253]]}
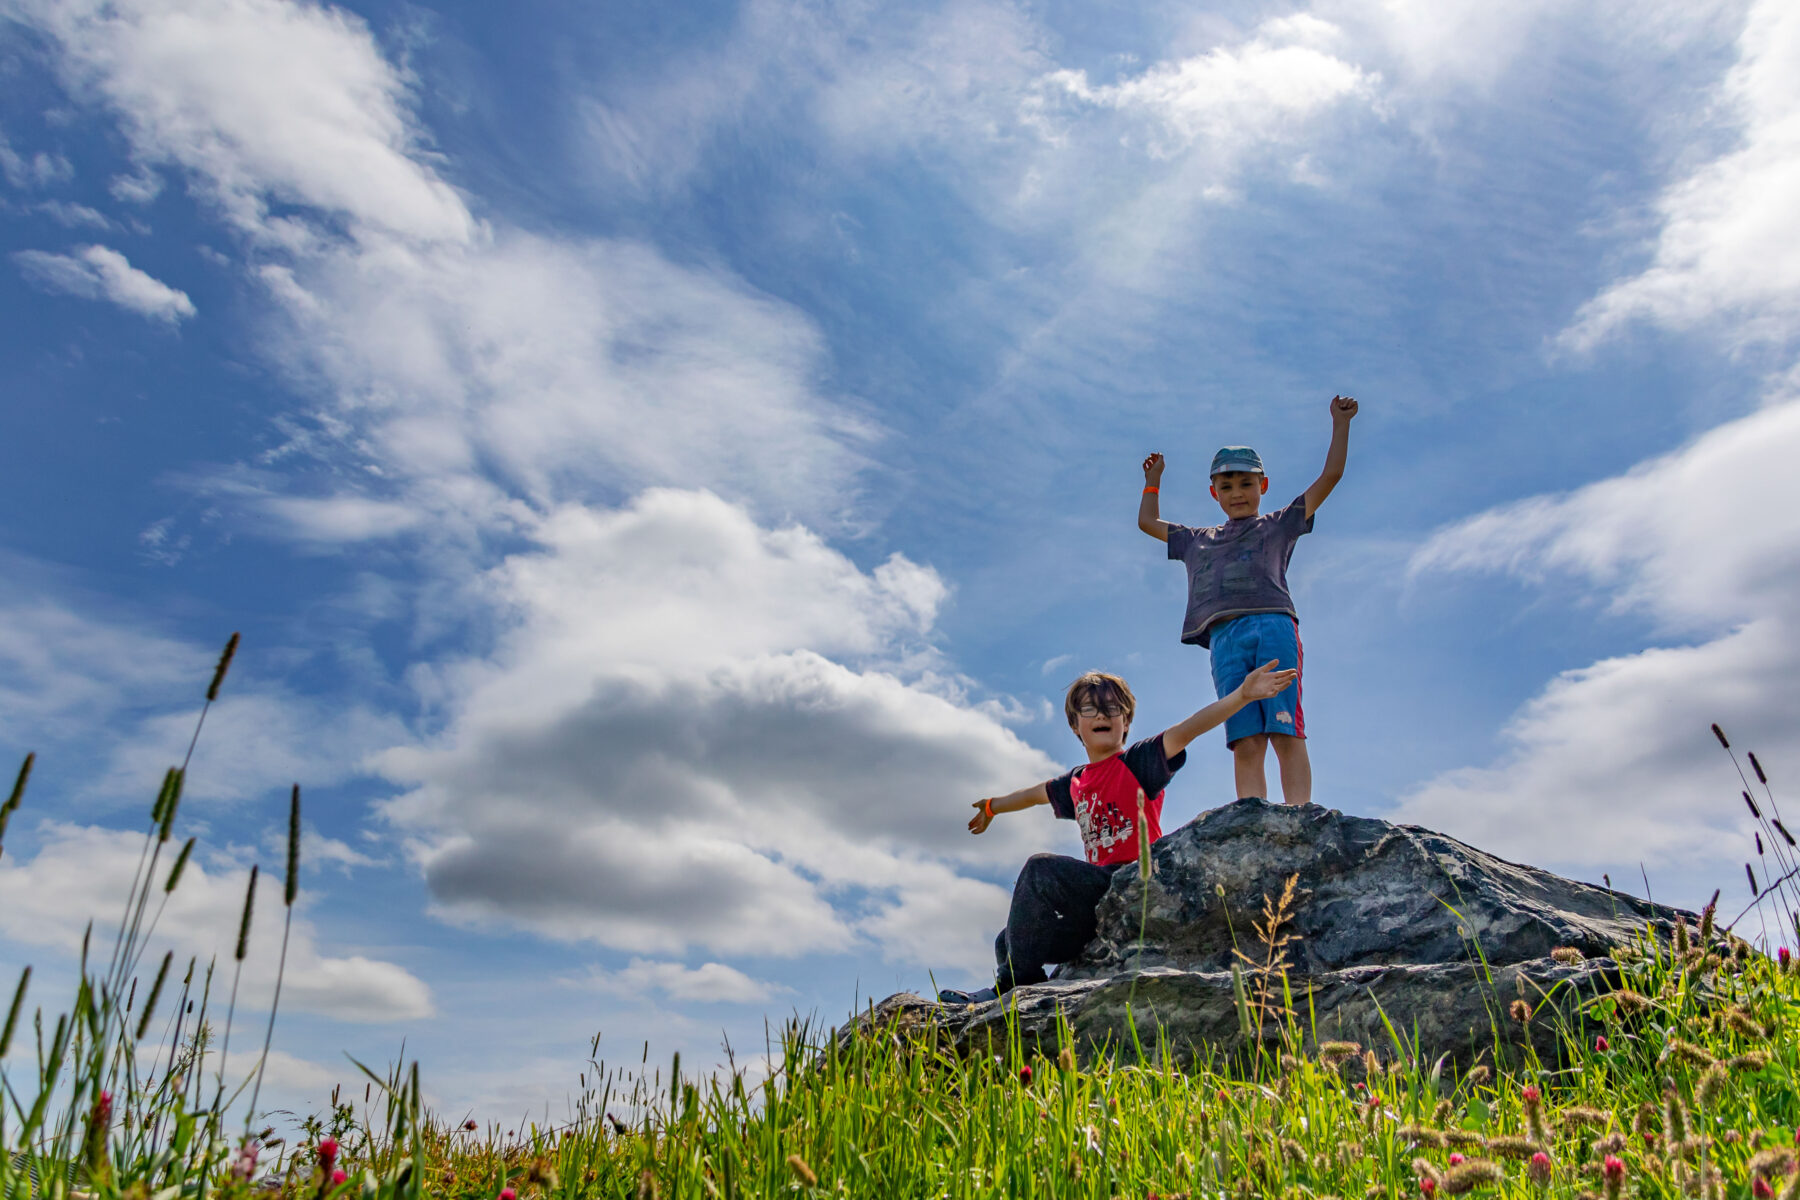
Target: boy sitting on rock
{"points": [[1116, 799], [1238, 602]]}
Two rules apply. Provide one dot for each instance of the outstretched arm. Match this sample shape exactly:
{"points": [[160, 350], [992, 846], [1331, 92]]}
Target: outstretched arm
{"points": [[1148, 508], [1260, 684], [1343, 408], [986, 810]]}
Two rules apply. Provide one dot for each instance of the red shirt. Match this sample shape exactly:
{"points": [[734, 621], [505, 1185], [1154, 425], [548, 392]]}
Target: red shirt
{"points": [[1102, 798]]}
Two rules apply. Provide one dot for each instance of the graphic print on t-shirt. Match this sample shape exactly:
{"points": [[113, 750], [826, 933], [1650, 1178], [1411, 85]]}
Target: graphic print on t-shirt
{"points": [[1103, 826], [1102, 798]]}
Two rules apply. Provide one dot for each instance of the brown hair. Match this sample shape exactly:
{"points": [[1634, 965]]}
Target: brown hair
{"points": [[1094, 686]]}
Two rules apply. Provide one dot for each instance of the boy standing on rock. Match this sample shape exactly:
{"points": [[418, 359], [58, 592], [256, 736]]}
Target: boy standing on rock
{"points": [[1116, 799], [1238, 602]]}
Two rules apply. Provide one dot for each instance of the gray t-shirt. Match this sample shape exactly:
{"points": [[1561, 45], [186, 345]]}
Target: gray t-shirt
{"points": [[1237, 568]]}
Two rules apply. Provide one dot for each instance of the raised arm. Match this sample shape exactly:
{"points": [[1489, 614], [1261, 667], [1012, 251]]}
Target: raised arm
{"points": [[1343, 408], [1148, 508], [1260, 684], [986, 810]]}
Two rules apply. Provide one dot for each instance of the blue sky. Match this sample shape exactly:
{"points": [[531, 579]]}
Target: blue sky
{"points": [[666, 462]]}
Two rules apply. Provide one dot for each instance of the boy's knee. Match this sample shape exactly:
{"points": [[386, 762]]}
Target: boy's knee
{"points": [[1250, 746]]}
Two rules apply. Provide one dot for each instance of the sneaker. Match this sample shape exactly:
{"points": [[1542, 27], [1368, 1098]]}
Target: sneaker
{"points": [[950, 996]]}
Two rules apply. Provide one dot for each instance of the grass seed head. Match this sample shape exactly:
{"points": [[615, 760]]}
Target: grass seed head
{"points": [[1710, 1085], [1750, 1060], [1569, 956], [243, 942], [1577, 1116], [1468, 1176], [1513, 1147], [1422, 1135], [212, 689]]}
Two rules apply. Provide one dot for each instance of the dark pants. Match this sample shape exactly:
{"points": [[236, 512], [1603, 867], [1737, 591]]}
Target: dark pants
{"points": [[1051, 919]]}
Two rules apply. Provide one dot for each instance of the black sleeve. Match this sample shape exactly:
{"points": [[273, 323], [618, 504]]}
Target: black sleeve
{"points": [[1151, 768], [1062, 803]]}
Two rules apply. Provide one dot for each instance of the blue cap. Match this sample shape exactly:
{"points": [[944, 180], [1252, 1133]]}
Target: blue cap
{"points": [[1236, 458]]}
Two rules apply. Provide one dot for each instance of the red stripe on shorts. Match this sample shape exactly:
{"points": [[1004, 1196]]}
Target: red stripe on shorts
{"points": [[1300, 665]]}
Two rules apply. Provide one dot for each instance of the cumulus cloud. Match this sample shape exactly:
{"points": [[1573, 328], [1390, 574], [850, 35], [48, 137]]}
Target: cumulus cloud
{"points": [[102, 273], [1727, 251], [81, 873], [660, 754], [1614, 763]]}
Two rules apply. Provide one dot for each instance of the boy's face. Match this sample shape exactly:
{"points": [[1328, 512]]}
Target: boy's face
{"points": [[1239, 493], [1101, 724]]}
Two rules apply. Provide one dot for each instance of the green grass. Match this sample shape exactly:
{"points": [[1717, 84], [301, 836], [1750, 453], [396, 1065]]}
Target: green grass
{"points": [[1693, 1092]]}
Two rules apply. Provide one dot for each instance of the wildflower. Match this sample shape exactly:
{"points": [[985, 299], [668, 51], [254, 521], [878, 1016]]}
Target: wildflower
{"points": [[1025, 1074], [103, 1110], [244, 1165], [1785, 958], [1601, 1045], [1613, 1170], [1428, 1185], [470, 1125], [508, 1194], [328, 1152], [1539, 1169], [1456, 1158], [1531, 1095], [338, 1177], [1761, 1190]]}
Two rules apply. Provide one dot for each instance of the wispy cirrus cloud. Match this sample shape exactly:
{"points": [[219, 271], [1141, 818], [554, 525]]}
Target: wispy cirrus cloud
{"points": [[1726, 255]]}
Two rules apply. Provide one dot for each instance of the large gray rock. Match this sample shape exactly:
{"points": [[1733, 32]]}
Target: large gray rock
{"points": [[1369, 893], [1395, 928]]}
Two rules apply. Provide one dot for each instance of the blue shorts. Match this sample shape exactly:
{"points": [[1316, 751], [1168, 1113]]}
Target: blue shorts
{"points": [[1241, 645]]}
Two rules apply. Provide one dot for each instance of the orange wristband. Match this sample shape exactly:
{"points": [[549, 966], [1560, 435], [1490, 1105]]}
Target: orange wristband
{"points": [[987, 809], [1150, 491]]}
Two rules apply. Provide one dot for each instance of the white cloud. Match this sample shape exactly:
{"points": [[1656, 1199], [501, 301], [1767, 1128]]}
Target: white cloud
{"points": [[81, 873], [1242, 95], [102, 273], [266, 102], [1727, 254], [1614, 763], [708, 983], [660, 755]]}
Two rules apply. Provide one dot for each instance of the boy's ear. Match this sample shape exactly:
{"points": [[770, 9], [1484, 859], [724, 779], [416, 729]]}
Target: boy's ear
{"points": [[1265, 485], [1213, 490]]}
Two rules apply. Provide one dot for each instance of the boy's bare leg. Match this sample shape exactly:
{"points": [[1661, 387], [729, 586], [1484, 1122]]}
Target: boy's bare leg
{"points": [[1296, 768], [1247, 762]]}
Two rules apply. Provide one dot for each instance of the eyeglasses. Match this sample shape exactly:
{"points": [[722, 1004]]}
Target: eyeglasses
{"points": [[1092, 708]]}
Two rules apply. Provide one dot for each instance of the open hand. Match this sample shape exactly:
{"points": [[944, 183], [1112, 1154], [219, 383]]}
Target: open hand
{"points": [[1153, 469], [981, 820], [1342, 408], [1266, 681]]}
